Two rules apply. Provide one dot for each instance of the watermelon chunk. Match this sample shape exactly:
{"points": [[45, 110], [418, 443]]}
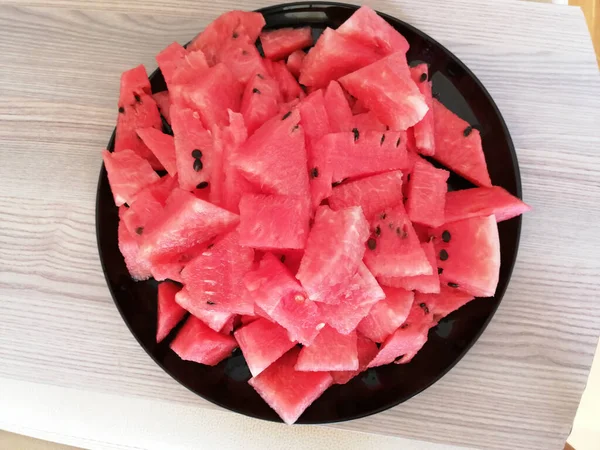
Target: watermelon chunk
{"points": [[367, 121], [329, 351], [447, 301], [427, 194], [458, 146], [169, 312], [424, 131], [134, 83], [291, 259], [162, 189], [163, 101], [278, 44], [145, 208], [338, 109], [395, 250], [479, 202], [469, 255], [162, 146], [262, 343], [138, 267], [386, 88], [373, 194], [197, 342], [241, 57], [289, 87], [333, 252], [295, 61], [366, 350], [260, 101], [299, 316], [216, 320], [387, 315], [128, 173], [401, 346], [288, 391], [314, 118], [178, 66], [274, 221]]}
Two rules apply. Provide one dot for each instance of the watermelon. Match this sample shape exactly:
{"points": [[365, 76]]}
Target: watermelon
{"points": [[338, 109], [424, 131], [197, 342], [427, 194], [262, 343], [169, 312], [163, 101], [386, 88], [162, 146], [215, 320], [274, 221], [178, 66], [299, 316], [295, 61], [458, 146], [448, 300], [162, 189], [367, 121], [479, 202], [314, 118], [241, 57], [216, 276], [134, 84], [128, 173], [145, 208], [469, 255], [277, 44], [358, 107], [333, 252], [332, 57], [289, 87], [329, 351], [139, 268], [260, 101], [387, 315], [288, 391], [366, 350], [291, 259], [373, 194]]}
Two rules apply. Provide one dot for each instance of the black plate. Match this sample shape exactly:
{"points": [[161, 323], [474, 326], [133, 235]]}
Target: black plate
{"points": [[383, 387]]}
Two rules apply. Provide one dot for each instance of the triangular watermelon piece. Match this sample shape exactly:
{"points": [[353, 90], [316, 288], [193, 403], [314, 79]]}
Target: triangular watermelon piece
{"points": [[162, 146], [277, 44], [169, 312], [338, 109], [134, 83], [299, 316], [386, 88], [427, 194], [314, 118], [262, 343], [458, 146], [241, 57], [424, 131], [295, 61], [138, 267], [469, 255], [479, 202], [387, 315], [288, 391], [178, 66], [163, 101], [197, 342], [260, 101], [216, 320], [394, 249], [289, 87], [162, 189], [329, 351], [144, 209], [366, 349], [333, 252], [448, 300]]}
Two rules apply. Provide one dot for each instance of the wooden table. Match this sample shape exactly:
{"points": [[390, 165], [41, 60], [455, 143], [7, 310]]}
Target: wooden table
{"points": [[517, 388]]}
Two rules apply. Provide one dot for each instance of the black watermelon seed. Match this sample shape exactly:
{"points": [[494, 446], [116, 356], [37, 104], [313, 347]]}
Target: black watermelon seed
{"points": [[382, 139], [286, 115], [468, 131], [197, 154], [383, 216], [378, 231], [372, 244], [139, 230], [387, 128], [137, 98], [282, 259], [398, 142], [202, 185], [446, 236], [408, 177], [453, 285], [255, 91], [121, 110], [235, 35], [423, 77], [443, 255], [424, 307], [244, 52], [356, 134], [198, 165], [260, 76], [295, 127], [404, 326], [210, 303], [440, 270], [398, 231], [314, 173], [378, 344]]}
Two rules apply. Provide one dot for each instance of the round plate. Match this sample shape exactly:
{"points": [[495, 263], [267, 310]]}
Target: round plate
{"points": [[382, 387]]}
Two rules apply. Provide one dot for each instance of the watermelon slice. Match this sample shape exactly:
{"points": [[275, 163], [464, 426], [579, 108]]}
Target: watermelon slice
{"points": [[134, 84], [260, 101], [145, 208], [241, 57], [289, 87], [386, 88], [274, 221], [366, 350], [478, 202], [197, 342], [178, 66], [299, 316], [329, 351], [163, 101], [128, 174], [338, 109], [138, 267], [427, 194], [262, 343], [401, 346], [458, 146], [162, 146], [447, 301], [424, 131], [288, 391], [216, 320], [367, 121], [278, 44], [295, 61], [314, 118], [169, 312], [373, 194], [162, 189], [469, 255], [387, 315], [333, 252]]}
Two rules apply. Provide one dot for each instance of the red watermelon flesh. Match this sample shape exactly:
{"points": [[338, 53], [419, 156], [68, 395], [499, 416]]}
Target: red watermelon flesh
{"points": [[468, 254], [366, 349], [478, 202], [169, 312], [394, 250], [128, 174], [368, 28], [178, 66], [260, 101], [334, 249], [373, 194], [338, 109], [216, 320], [262, 343], [386, 88], [428, 284], [295, 61], [288, 391], [289, 87], [360, 293], [216, 276], [170, 268], [274, 221], [332, 57], [358, 107], [134, 83], [401, 346], [197, 342], [291, 259], [458, 146], [427, 194], [277, 44], [274, 157], [424, 131], [138, 267], [161, 190], [144, 209], [387, 315], [241, 56], [448, 300], [162, 146], [299, 316], [163, 101], [329, 351], [367, 121], [314, 118]]}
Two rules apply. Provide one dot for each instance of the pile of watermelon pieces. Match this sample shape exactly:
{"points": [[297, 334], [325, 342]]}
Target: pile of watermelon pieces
{"points": [[296, 208]]}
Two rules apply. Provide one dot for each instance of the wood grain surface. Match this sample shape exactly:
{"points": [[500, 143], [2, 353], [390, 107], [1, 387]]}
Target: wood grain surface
{"points": [[517, 388]]}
